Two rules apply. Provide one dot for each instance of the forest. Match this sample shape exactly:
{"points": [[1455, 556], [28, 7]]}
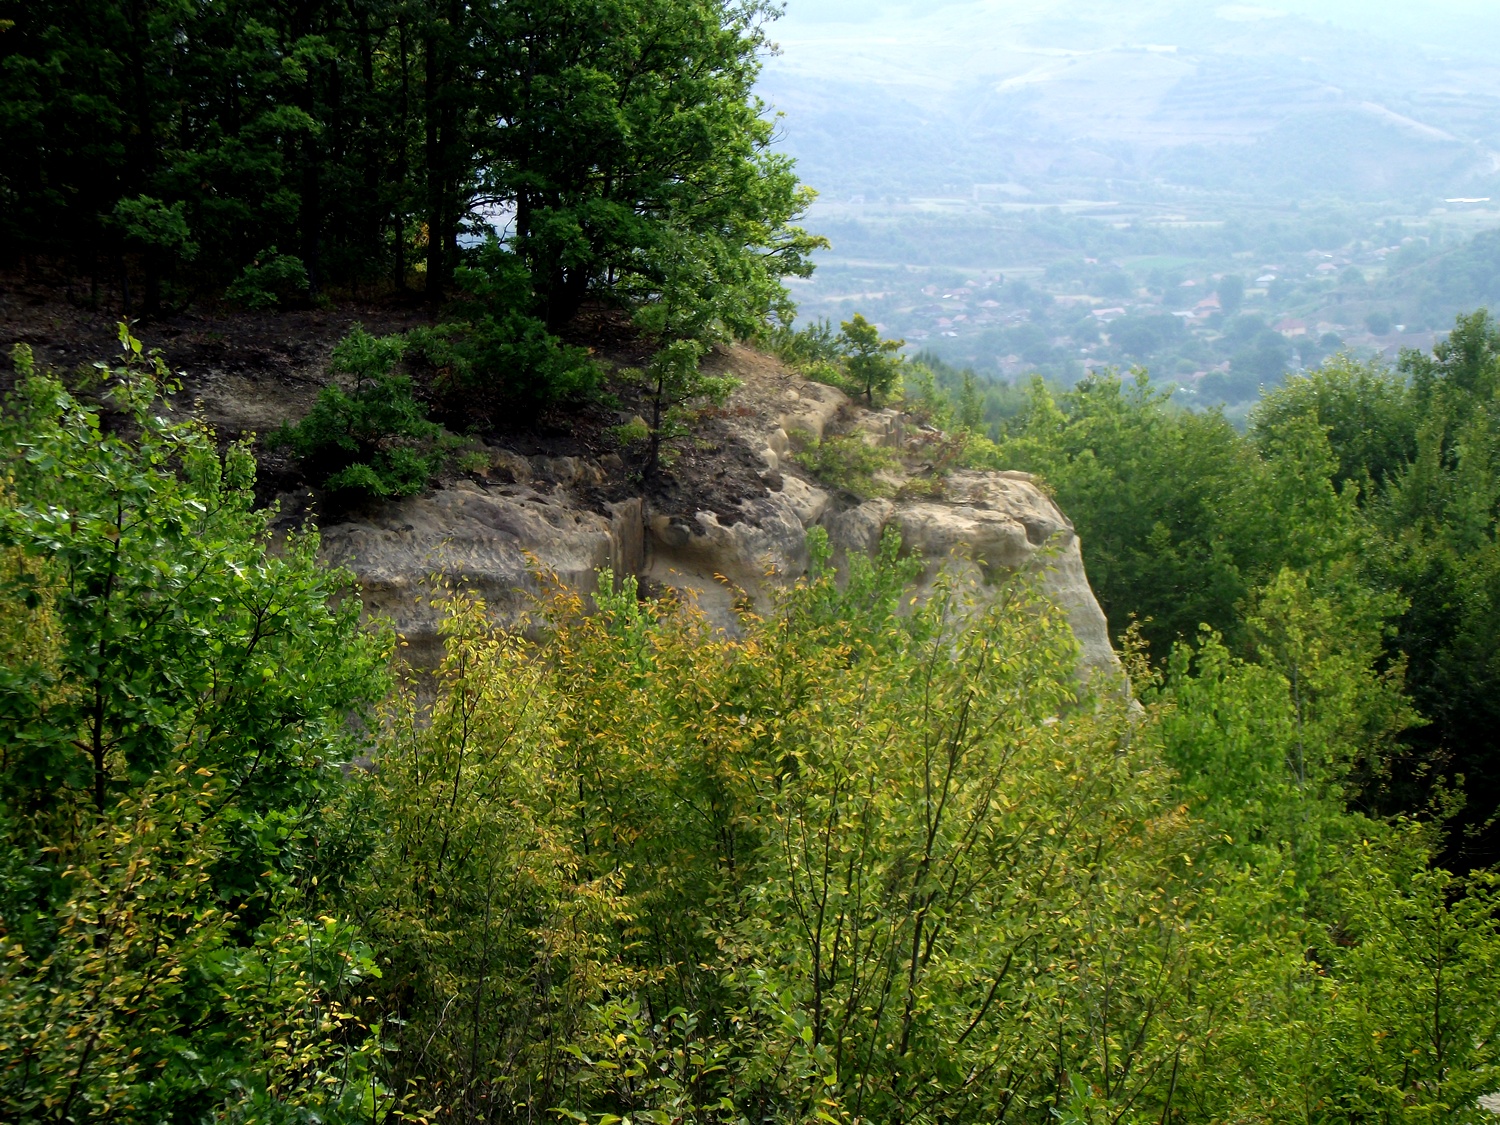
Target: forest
{"points": [[862, 858]]}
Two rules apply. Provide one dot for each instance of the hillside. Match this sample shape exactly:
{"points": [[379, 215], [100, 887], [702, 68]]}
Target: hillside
{"points": [[1156, 98], [474, 651], [655, 769], [729, 519]]}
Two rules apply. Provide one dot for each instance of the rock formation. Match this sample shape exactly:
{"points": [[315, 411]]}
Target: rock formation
{"points": [[494, 537]]}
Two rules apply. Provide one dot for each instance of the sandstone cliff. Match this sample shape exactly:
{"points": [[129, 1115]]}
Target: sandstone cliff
{"points": [[492, 534]]}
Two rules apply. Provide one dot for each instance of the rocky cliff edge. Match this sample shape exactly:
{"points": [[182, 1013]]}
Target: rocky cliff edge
{"points": [[494, 533]]}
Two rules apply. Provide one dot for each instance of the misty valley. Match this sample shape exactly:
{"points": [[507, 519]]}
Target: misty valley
{"points": [[1049, 189]]}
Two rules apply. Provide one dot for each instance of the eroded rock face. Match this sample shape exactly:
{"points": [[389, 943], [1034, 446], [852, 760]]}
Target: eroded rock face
{"points": [[987, 526], [493, 539], [494, 542]]}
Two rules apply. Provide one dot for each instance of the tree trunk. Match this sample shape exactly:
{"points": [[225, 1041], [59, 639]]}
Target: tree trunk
{"points": [[139, 138], [312, 217], [436, 279], [403, 171], [565, 296], [370, 228]]}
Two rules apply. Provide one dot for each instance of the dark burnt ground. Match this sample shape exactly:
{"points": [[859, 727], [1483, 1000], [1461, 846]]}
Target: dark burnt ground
{"points": [[288, 346], [247, 373], [711, 470]]}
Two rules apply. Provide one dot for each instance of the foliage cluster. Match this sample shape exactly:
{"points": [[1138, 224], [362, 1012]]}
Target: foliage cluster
{"points": [[848, 462], [272, 280], [620, 140], [868, 859], [374, 439], [486, 363], [177, 702], [876, 862], [855, 360], [1379, 484], [492, 357]]}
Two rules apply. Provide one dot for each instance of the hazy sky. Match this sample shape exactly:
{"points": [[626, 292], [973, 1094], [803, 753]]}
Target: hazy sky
{"points": [[872, 86], [1467, 25]]}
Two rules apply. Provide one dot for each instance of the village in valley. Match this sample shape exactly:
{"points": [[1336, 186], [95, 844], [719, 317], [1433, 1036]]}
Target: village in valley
{"points": [[1217, 308]]}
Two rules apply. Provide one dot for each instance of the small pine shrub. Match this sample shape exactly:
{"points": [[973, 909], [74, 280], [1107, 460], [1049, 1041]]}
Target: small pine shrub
{"points": [[271, 281], [813, 352], [493, 361], [375, 440], [633, 432], [495, 367], [850, 463]]}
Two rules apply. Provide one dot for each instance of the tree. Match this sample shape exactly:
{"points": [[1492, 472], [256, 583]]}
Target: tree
{"points": [[241, 119], [1439, 522], [970, 404], [1139, 336], [871, 363], [630, 135], [178, 699], [673, 382], [357, 137], [1366, 409], [1167, 504], [877, 860], [1370, 482]]}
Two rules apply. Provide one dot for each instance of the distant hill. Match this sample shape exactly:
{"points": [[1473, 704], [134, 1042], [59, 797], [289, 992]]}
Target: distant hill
{"points": [[1465, 277], [1306, 99]]}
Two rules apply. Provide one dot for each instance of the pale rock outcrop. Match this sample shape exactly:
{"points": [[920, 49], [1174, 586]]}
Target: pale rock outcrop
{"points": [[718, 563], [493, 542], [989, 525], [806, 409], [494, 538]]}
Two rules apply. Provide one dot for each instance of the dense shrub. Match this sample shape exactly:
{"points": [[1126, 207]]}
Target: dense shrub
{"points": [[271, 281], [874, 860], [177, 701], [375, 439], [491, 361], [848, 462], [865, 857], [1376, 482]]}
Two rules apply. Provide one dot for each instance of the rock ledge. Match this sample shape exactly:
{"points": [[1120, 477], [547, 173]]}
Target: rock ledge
{"points": [[493, 539]]}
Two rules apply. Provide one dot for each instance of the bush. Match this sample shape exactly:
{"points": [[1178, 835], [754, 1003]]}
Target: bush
{"points": [[495, 367], [375, 440], [493, 359], [805, 347], [153, 226], [176, 698], [850, 463], [855, 360], [873, 859], [271, 281]]}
